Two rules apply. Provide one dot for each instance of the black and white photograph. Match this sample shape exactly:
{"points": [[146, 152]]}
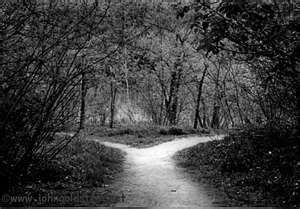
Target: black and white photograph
{"points": [[150, 103]]}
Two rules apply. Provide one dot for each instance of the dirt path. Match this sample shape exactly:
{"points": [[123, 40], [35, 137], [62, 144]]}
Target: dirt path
{"points": [[151, 177]]}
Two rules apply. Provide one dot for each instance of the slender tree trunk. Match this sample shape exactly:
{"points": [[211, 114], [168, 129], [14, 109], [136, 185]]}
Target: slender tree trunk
{"points": [[103, 119], [298, 104], [237, 100], [229, 112], [82, 101], [113, 92], [161, 111], [197, 111], [215, 121], [169, 101], [229, 115], [174, 105], [297, 76], [204, 122], [238, 104]]}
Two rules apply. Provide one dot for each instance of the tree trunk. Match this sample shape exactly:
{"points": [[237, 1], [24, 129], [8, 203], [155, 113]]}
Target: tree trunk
{"points": [[103, 119], [215, 121], [82, 101], [161, 111], [113, 92], [297, 76], [204, 122], [169, 101], [174, 105], [172, 102], [229, 113], [200, 85]]}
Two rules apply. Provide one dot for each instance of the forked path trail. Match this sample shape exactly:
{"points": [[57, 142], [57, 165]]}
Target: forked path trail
{"points": [[151, 177]]}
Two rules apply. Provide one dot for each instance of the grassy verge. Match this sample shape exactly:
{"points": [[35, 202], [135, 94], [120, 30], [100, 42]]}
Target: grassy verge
{"points": [[254, 167], [78, 176], [143, 136]]}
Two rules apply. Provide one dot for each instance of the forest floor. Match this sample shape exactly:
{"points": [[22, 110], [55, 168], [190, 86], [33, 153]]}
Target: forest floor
{"points": [[252, 167], [81, 174], [143, 136]]}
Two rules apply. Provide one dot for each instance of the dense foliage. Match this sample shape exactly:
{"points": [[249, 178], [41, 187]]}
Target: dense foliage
{"points": [[41, 66], [264, 34]]}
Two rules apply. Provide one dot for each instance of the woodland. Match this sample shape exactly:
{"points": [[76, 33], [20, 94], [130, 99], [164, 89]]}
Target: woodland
{"points": [[175, 67]]}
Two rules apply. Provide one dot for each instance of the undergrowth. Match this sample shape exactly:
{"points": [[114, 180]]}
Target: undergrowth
{"points": [[143, 136], [256, 166], [82, 166]]}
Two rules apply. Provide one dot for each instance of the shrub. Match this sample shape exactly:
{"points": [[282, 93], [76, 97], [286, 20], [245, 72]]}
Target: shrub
{"points": [[38, 94], [176, 131], [171, 131], [82, 162], [90, 162], [163, 131]]}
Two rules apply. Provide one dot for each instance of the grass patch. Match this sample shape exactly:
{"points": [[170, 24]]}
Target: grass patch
{"points": [[255, 167], [78, 176], [139, 142], [143, 136]]}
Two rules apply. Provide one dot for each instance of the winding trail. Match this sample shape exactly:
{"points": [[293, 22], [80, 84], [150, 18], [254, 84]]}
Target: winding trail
{"points": [[151, 177]]}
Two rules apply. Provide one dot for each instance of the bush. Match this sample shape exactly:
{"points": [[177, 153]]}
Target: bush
{"points": [[82, 163], [182, 131], [176, 131], [37, 101], [172, 131], [163, 131], [125, 131]]}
